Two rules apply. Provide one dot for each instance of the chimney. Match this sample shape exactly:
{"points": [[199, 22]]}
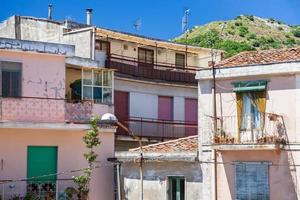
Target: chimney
{"points": [[89, 16], [50, 12]]}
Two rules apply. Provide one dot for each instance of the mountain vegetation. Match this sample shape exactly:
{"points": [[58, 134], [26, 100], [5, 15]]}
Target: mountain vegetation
{"points": [[244, 33]]}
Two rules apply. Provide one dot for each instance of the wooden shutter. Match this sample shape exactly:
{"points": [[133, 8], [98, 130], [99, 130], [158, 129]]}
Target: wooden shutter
{"points": [[165, 108], [252, 181], [11, 79], [179, 60]]}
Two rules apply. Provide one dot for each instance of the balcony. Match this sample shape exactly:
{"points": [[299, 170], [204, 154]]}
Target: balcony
{"points": [[256, 134], [156, 71], [48, 110], [159, 129]]}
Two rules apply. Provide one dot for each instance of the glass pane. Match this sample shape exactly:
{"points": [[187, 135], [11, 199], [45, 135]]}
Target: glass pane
{"points": [[182, 187], [142, 55], [107, 79], [107, 95], [87, 93], [98, 78], [97, 94], [87, 77], [173, 185]]}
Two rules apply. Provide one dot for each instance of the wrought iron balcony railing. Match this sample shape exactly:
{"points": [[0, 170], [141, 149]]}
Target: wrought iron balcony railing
{"points": [[159, 129], [48, 110], [157, 71], [266, 128], [46, 189]]}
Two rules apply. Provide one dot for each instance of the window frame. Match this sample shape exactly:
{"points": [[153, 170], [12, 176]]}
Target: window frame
{"points": [[176, 58], [93, 85], [145, 60], [267, 163], [169, 186], [20, 70]]}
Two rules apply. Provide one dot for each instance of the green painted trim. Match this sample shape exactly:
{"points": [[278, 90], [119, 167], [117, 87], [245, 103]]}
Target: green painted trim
{"points": [[246, 86]]}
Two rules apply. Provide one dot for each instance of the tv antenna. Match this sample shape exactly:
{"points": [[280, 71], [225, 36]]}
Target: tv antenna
{"points": [[137, 24], [185, 29]]}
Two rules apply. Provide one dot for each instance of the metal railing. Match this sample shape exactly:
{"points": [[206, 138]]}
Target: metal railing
{"points": [[156, 70], [50, 110], [159, 129], [265, 128], [60, 189]]}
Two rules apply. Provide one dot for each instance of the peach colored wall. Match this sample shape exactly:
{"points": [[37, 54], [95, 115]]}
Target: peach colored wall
{"points": [[280, 176], [13, 150]]}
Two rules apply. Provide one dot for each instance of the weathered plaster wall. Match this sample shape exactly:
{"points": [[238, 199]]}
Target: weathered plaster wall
{"points": [[156, 180], [13, 153], [43, 75], [280, 174]]}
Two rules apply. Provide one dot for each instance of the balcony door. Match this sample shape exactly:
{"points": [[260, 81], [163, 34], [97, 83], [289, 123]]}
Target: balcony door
{"points": [[145, 62], [122, 109], [251, 112]]}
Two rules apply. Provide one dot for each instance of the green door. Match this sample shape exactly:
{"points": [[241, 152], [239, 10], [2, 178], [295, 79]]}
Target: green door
{"points": [[42, 160]]}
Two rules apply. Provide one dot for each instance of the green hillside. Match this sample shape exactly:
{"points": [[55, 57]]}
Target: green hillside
{"points": [[244, 33]]}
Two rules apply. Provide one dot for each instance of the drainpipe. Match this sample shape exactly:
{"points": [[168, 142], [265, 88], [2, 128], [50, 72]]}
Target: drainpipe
{"points": [[119, 181], [93, 43], [141, 171], [215, 125]]}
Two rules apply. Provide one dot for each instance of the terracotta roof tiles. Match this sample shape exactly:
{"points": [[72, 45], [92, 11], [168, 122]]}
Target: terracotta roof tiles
{"points": [[262, 57], [186, 144]]}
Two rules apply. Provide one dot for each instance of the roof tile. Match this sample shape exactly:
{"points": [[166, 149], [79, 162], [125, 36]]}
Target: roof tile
{"points": [[262, 57], [186, 144]]}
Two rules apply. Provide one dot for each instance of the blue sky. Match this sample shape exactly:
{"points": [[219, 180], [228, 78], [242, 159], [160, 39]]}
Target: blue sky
{"points": [[160, 18]]}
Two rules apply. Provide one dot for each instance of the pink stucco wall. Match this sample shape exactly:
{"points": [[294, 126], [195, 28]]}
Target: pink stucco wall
{"points": [[43, 92], [281, 176], [281, 99], [13, 156]]}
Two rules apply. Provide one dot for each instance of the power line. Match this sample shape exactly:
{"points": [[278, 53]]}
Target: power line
{"points": [[57, 174]]}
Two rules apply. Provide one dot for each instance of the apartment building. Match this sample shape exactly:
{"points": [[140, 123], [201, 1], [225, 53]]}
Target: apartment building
{"points": [[155, 91], [42, 125], [251, 144]]}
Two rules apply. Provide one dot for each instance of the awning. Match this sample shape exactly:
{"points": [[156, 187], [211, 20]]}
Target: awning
{"points": [[247, 86]]}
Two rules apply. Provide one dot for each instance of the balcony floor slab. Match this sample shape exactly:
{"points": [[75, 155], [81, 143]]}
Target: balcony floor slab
{"points": [[243, 147]]}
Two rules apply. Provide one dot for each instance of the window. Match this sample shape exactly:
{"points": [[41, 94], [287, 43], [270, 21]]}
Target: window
{"points": [[176, 190], [251, 108], [10, 76], [179, 60], [97, 86], [103, 46], [252, 181], [145, 56]]}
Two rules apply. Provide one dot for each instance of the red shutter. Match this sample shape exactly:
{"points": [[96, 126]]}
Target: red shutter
{"points": [[191, 115], [165, 108], [122, 108]]}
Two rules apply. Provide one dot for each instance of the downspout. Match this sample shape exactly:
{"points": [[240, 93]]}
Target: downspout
{"points": [[93, 43], [141, 171], [215, 126], [119, 180]]}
